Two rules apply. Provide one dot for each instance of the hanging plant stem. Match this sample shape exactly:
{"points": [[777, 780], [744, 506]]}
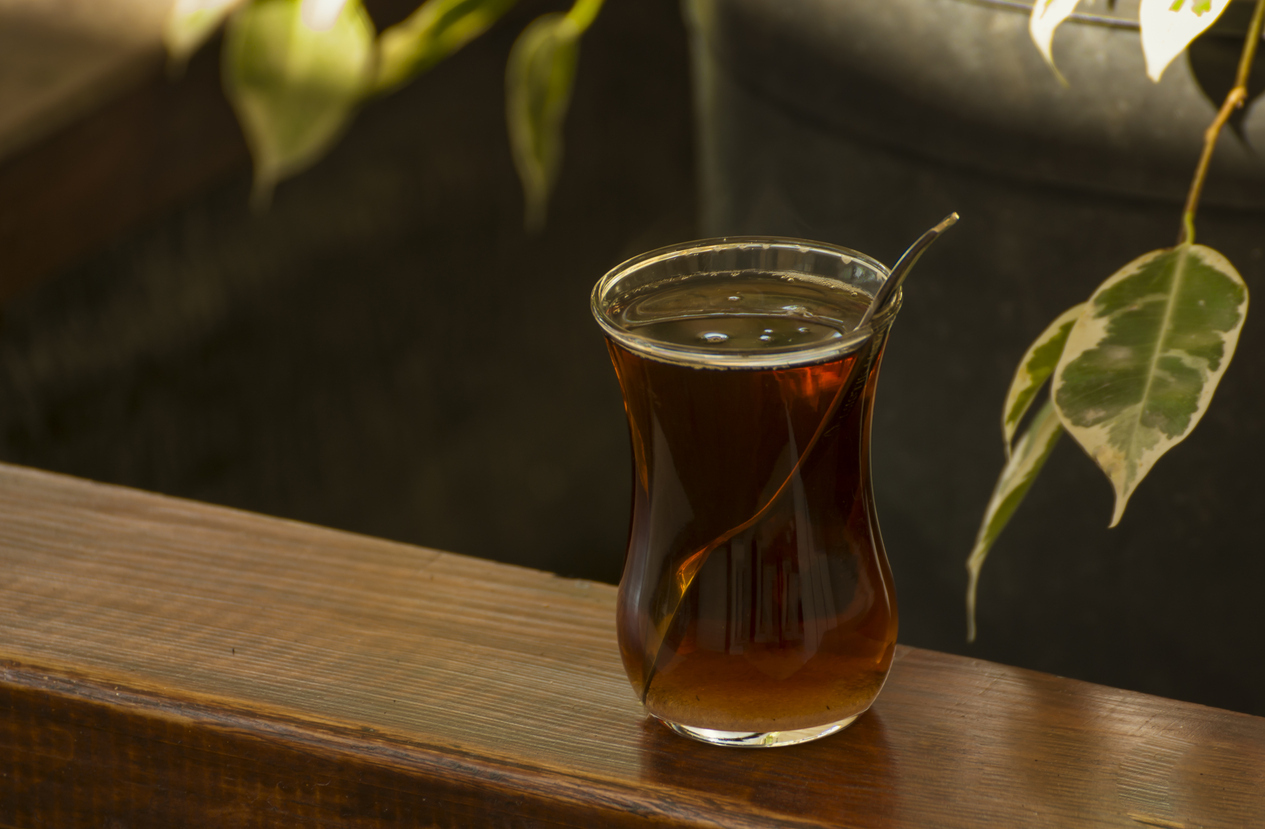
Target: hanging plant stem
{"points": [[584, 12], [1235, 99]]}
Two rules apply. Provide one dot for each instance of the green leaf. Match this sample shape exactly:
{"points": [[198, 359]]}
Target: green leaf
{"points": [[538, 83], [1168, 27], [1016, 479], [189, 24], [294, 87], [1046, 17], [1141, 365], [1034, 369], [431, 33]]}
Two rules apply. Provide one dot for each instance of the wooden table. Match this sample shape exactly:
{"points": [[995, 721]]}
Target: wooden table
{"points": [[170, 664]]}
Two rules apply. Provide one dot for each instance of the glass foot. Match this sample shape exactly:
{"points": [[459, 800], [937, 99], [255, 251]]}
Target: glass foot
{"points": [[766, 739]]}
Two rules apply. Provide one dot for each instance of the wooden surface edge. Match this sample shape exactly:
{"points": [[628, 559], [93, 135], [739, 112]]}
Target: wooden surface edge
{"points": [[104, 722], [81, 751]]}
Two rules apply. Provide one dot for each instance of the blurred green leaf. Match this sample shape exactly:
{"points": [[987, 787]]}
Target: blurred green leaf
{"points": [[1141, 364], [294, 88], [321, 15], [1016, 479], [190, 23], [538, 83], [1034, 369], [1169, 26], [431, 33]]}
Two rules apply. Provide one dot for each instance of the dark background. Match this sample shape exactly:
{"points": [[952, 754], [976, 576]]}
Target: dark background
{"points": [[385, 350]]}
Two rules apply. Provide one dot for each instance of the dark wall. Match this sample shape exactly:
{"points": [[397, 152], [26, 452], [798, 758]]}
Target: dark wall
{"points": [[385, 350], [830, 120]]}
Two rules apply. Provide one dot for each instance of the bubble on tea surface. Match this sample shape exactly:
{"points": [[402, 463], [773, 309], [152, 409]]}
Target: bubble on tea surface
{"points": [[713, 337], [766, 338]]}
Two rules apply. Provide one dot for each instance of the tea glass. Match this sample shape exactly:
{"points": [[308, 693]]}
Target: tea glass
{"points": [[756, 606]]}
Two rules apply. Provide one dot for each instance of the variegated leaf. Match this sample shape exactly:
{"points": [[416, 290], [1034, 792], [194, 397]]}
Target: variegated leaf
{"points": [[538, 83], [1046, 17], [1168, 27], [435, 30], [190, 23], [294, 88], [1141, 364], [1016, 479], [1034, 369]]}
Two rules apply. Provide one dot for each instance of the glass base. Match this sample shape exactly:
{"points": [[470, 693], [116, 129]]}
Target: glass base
{"points": [[766, 739]]}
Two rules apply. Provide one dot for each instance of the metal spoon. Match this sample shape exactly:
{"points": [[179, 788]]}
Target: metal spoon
{"points": [[903, 266]]}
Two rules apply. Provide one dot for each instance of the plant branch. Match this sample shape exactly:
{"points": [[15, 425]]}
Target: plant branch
{"points": [[1235, 99]]}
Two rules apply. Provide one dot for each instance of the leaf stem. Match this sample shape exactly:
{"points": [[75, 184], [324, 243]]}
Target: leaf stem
{"points": [[1233, 101], [584, 12]]}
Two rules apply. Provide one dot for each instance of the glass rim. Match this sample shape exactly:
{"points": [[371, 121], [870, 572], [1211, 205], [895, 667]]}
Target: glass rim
{"points": [[701, 357]]}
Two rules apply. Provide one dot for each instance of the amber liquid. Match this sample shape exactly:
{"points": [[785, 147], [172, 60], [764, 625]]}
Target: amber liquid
{"points": [[756, 595]]}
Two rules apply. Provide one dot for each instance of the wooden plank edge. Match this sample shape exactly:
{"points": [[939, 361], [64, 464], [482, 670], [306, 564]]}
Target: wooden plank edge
{"points": [[81, 751]]}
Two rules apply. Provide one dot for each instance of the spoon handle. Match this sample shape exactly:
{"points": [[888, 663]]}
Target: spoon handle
{"points": [[903, 266]]}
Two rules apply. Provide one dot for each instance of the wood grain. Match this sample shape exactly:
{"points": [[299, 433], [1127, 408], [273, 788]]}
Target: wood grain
{"points": [[166, 663]]}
